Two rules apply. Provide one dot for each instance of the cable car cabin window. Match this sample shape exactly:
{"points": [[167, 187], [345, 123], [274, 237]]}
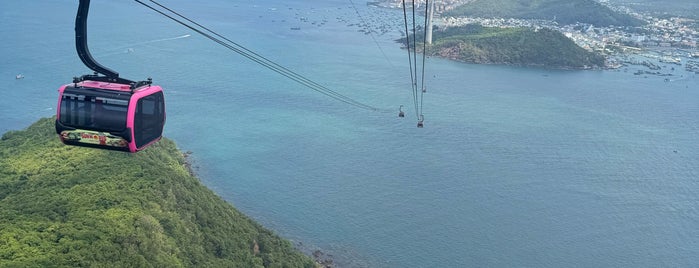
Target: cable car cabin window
{"points": [[150, 116], [93, 113]]}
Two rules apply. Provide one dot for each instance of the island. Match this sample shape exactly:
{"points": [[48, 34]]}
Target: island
{"points": [[626, 33], [63, 206], [520, 46]]}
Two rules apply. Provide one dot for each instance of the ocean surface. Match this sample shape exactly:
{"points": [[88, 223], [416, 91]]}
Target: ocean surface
{"points": [[516, 167]]}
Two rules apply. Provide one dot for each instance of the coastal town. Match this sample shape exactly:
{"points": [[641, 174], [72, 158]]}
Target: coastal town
{"points": [[680, 33], [668, 39]]}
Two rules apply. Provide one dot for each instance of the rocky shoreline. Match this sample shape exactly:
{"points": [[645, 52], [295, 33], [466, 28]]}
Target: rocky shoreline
{"points": [[324, 260], [494, 46], [453, 53], [321, 258]]}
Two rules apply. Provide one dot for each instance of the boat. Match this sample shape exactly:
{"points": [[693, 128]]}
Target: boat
{"points": [[695, 55], [673, 60], [19, 76], [296, 28]]}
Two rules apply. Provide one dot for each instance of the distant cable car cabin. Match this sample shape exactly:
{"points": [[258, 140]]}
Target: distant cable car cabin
{"points": [[106, 111]]}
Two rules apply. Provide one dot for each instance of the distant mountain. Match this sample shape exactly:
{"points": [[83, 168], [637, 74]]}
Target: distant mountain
{"points": [[562, 11], [683, 8], [63, 206], [515, 46]]}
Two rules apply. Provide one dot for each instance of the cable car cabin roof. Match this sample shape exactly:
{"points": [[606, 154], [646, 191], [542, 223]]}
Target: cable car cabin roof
{"points": [[111, 86], [107, 90]]}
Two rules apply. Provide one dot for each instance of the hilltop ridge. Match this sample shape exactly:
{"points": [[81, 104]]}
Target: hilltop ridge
{"points": [[64, 206], [547, 48]]}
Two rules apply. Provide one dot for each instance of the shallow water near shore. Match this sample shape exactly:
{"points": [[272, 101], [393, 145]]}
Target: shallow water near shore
{"points": [[515, 166]]}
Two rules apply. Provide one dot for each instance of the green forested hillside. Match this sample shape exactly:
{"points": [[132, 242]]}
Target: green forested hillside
{"points": [[564, 11], [64, 206], [517, 46]]}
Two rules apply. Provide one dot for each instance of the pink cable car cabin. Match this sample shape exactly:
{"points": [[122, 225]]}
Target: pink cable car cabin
{"points": [[110, 116], [106, 111]]}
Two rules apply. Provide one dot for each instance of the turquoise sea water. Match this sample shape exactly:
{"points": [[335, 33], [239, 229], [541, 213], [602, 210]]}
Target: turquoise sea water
{"points": [[515, 166]]}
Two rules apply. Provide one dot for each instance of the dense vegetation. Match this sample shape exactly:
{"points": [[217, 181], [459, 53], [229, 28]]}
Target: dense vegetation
{"points": [[517, 46], [564, 11], [63, 206]]}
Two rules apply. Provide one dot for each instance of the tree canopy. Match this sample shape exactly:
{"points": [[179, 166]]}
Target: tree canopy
{"points": [[64, 206], [517, 46]]}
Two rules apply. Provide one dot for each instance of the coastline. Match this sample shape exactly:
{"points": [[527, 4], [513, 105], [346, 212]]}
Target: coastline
{"points": [[525, 65], [477, 110], [129, 210], [538, 49], [321, 258]]}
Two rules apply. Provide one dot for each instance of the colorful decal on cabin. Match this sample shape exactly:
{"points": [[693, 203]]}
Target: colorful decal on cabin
{"points": [[94, 137]]}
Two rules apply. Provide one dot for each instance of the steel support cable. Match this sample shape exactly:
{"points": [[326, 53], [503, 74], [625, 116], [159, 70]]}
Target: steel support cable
{"points": [[417, 89], [424, 55], [262, 60], [241, 47], [271, 64], [274, 66], [413, 84]]}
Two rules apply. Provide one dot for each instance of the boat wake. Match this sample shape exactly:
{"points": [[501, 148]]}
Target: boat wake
{"points": [[163, 40], [130, 48]]}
